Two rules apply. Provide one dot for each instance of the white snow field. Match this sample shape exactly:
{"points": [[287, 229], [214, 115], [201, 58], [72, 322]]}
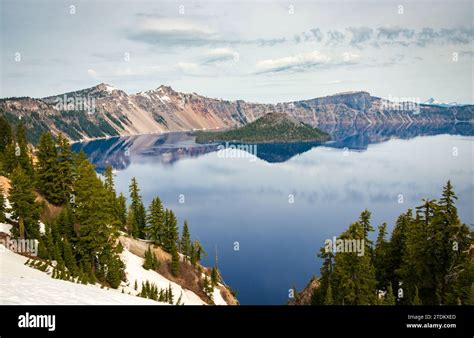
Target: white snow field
{"points": [[21, 284]]}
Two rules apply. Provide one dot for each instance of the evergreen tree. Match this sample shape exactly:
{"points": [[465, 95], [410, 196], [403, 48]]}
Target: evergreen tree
{"points": [[156, 221], [2, 203], [138, 211], [389, 296], [171, 233], [214, 276], [354, 274], [174, 261], [23, 205], [416, 299], [22, 152], [381, 259], [6, 135], [185, 244], [65, 167], [121, 210], [328, 300], [47, 169], [69, 259]]}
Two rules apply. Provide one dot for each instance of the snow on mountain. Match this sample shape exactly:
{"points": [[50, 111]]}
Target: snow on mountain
{"points": [[21, 284], [434, 102], [135, 272]]}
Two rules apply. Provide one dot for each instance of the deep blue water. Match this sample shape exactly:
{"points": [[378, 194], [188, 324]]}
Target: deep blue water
{"points": [[246, 201]]}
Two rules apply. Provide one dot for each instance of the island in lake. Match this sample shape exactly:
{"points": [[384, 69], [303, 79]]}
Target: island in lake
{"points": [[270, 128]]}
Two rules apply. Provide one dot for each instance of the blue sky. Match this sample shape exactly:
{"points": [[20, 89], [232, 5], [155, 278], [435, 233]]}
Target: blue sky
{"points": [[267, 51]]}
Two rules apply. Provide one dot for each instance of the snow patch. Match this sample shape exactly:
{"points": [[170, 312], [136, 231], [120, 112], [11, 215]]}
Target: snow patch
{"points": [[135, 272]]}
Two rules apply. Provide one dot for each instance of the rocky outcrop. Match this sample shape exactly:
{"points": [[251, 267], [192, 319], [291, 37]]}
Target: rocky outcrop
{"points": [[104, 111]]}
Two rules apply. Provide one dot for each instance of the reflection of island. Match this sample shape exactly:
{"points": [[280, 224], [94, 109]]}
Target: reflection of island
{"points": [[169, 148]]}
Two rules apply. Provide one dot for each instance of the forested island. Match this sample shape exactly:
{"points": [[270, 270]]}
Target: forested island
{"points": [[270, 128]]}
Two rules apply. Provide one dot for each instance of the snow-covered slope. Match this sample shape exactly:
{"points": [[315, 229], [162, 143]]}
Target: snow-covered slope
{"points": [[20, 284], [135, 272]]}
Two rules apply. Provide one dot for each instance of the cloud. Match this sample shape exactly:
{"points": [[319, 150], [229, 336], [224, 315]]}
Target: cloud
{"points": [[395, 33], [334, 37], [218, 55], [155, 30], [171, 31], [360, 35], [297, 62], [188, 67], [92, 73]]}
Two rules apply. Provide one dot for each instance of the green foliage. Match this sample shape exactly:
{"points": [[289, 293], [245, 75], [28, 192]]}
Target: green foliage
{"points": [[156, 222], [275, 127], [2, 204], [185, 243], [174, 261], [151, 262], [24, 207], [137, 214], [171, 233], [427, 258]]}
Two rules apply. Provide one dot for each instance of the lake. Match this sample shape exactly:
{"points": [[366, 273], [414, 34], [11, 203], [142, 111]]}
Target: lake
{"points": [[267, 216]]}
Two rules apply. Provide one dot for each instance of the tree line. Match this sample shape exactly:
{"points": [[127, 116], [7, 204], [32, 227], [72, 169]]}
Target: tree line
{"points": [[427, 260], [81, 242]]}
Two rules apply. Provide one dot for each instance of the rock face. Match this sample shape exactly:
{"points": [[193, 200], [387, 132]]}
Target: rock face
{"points": [[104, 111]]}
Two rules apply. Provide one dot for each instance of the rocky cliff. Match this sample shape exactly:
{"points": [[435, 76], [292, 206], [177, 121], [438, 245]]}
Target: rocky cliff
{"points": [[104, 111]]}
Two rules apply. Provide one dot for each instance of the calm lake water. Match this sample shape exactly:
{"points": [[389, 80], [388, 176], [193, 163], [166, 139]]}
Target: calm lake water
{"points": [[246, 202]]}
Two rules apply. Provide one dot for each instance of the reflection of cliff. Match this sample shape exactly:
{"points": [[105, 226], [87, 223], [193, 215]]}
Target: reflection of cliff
{"points": [[120, 152], [354, 138], [169, 148]]}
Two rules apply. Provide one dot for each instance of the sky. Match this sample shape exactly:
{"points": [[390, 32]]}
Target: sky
{"points": [[266, 51]]}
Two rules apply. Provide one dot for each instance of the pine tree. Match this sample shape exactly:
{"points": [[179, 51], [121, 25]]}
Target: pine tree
{"points": [[328, 300], [416, 299], [354, 274], [97, 233], [121, 210], [214, 276], [389, 296], [138, 210], [22, 152], [6, 135], [6, 140], [185, 244], [171, 234], [156, 221], [65, 167], [69, 259], [174, 261], [170, 294], [381, 258], [2, 203], [47, 169], [23, 204]]}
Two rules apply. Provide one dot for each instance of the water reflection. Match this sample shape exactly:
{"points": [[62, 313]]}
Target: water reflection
{"points": [[169, 148]]}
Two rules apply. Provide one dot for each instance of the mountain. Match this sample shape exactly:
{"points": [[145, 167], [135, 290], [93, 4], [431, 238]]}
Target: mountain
{"points": [[434, 102], [270, 128], [104, 111]]}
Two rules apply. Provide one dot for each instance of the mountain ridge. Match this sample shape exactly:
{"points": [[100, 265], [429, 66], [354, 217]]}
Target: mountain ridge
{"points": [[105, 111]]}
